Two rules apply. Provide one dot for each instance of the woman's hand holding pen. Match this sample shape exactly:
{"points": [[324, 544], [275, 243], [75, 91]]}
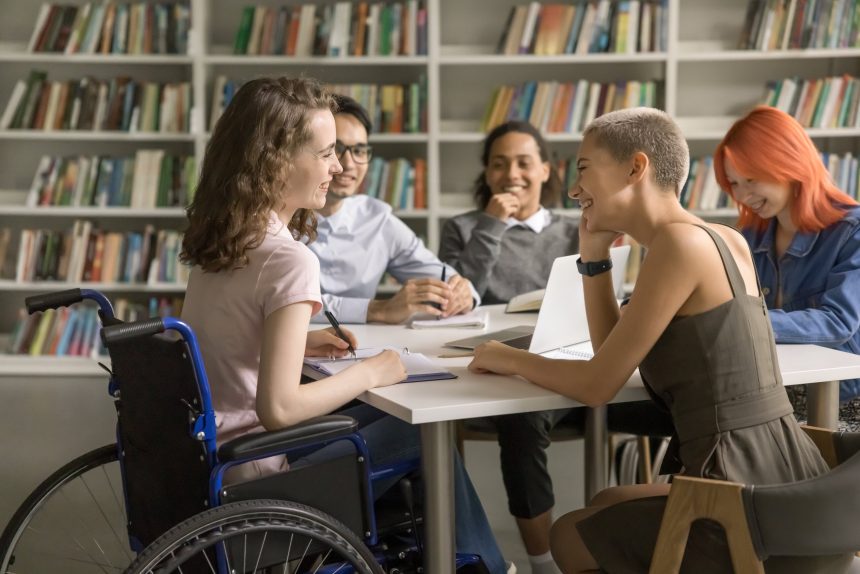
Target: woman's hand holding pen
{"points": [[494, 357], [326, 343]]}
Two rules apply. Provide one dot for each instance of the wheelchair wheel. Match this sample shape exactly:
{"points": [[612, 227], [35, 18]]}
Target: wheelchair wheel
{"points": [[73, 522], [258, 536]]}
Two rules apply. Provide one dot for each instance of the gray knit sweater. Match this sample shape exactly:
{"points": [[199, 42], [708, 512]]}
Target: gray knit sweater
{"points": [[502, 262]]}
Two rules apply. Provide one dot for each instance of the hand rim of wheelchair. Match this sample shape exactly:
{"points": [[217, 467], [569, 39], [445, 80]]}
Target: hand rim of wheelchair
{"points": [[249, 514]]}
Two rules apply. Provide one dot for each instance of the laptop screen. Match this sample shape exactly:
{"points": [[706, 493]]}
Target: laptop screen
{"points": [[562, 320]]}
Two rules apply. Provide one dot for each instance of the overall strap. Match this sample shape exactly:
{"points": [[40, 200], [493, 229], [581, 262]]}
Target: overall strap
{"points": [[736, 281]]}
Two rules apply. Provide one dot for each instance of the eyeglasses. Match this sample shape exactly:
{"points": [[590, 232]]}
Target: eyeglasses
{"points": [[361, 153]]}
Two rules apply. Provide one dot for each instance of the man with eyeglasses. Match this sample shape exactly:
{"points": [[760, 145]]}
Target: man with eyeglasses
{"points": [[359, 238]]}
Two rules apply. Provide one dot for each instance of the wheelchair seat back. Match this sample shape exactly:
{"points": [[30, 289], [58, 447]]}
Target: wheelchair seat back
{"points": [[165, 468]]}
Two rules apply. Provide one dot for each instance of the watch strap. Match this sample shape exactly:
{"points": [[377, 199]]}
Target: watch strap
{"points": [[592, 268]]}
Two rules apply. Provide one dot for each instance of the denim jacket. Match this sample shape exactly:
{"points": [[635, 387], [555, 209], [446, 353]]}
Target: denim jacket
{"points": [[819, 276]]}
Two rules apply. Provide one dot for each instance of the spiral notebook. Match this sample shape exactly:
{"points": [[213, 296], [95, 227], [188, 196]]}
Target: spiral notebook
{"points": [[418, 366]]}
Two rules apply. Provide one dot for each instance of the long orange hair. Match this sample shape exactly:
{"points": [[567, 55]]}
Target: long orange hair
{"points": [[771, 146]]}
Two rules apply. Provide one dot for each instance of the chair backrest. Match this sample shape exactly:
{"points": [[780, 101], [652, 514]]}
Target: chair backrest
{"points": [[811, 517], [165, 465]]}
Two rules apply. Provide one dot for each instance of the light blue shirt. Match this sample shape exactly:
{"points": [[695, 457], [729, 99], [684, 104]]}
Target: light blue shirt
{"points": [[359, 243]]}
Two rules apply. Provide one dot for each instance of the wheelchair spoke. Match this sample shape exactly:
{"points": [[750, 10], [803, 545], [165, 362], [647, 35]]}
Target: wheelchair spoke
{"points": [[85, 529], [53, 556], [287, 558], [321, 562], [116, 535], [173, 555], [260, 553], [226, 556], [120, 506], [209, 562], [305, 553]]}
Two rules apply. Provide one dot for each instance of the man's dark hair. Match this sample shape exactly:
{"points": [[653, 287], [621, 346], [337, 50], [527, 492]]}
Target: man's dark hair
{"points": [[347, 105]]}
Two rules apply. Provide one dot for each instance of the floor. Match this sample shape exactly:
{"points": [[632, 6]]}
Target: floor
{"points": [[565, 465]]}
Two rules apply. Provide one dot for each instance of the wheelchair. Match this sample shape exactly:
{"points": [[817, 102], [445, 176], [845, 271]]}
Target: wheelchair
{"points": [[155, 501]]}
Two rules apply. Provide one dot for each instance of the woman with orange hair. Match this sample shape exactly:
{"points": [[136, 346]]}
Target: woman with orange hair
{"points": [[803, 231]]}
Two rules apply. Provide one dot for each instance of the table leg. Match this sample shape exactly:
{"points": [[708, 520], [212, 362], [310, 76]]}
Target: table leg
{"points": [[822, 404], [595, 452], [437, 440]]}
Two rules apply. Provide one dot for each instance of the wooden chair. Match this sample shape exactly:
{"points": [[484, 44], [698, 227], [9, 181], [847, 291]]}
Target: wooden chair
{"points": [[807, 518]]}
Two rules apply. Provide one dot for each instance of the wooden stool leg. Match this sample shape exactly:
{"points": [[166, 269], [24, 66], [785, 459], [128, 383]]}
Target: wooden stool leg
{"points": [[694, 498], [644, 459]]}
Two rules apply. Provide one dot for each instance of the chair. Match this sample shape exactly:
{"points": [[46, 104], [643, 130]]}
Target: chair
{"points": [[807, 518]]}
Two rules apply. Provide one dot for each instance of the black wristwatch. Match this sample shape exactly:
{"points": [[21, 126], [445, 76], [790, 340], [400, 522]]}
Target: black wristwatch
{"points": [[593, 268]]}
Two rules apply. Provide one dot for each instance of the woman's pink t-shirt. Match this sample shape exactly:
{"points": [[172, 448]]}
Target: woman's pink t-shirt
{"points": [[227, 310]]}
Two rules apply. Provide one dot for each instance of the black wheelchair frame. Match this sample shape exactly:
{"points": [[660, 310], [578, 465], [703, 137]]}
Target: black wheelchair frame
{"points": [[178, 513]]}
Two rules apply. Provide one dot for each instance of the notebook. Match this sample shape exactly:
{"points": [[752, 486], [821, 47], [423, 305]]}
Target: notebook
{"points": [[561, 320], [475, 320], [418, 366]]}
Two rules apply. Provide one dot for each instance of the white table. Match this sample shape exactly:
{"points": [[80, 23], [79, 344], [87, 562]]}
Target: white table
{"points": [[435, 405]]}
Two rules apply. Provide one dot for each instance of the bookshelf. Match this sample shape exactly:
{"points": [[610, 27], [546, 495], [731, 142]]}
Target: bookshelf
{"points": [[704, 82]]}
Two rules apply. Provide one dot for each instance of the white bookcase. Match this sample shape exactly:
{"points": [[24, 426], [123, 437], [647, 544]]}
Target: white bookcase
{"points": [[705, 84]]}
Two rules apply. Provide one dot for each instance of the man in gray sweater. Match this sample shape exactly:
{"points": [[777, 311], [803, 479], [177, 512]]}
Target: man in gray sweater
{"points": [[505, 248]]}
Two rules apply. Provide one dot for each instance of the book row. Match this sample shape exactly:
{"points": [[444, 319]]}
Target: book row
{"points": [[596, 26], [817, 103], [843, 170], [401, 183], [119, 104], [795, 24], [565, 107], [74, 331], [339, 29], [701, 190], [112, 28], [150, 179], [393, 108], [86, 253]]}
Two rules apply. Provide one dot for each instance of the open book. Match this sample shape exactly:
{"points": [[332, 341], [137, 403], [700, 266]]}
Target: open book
{"points": [[418, 366], [525, 302]]}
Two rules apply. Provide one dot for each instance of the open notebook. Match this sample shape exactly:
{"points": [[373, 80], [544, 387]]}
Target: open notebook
{"points": [[418, 366]]}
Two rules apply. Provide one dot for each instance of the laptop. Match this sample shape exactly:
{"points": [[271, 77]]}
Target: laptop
{"points": [[561, 320]]}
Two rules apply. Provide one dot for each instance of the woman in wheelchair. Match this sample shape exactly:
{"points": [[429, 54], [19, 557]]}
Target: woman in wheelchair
{"points": [[254, 287]]}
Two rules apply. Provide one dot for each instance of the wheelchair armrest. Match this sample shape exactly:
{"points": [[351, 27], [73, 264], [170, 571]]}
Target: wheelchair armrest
{"points": [[313, 431]]}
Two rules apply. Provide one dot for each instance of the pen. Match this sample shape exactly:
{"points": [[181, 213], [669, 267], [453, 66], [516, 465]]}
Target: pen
{"points": [[444, 268], [338, 332]]}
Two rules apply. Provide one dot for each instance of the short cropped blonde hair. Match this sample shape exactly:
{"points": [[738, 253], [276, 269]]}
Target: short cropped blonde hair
{"points": [[650, 131]]}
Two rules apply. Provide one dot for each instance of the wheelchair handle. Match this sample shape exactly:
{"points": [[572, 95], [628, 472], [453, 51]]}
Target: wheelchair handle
{"points": [[125, 331], [56, 299], [53, 300]]}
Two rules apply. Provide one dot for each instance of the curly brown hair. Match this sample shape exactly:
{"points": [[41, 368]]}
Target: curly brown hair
{"points": [[246, 164]]}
